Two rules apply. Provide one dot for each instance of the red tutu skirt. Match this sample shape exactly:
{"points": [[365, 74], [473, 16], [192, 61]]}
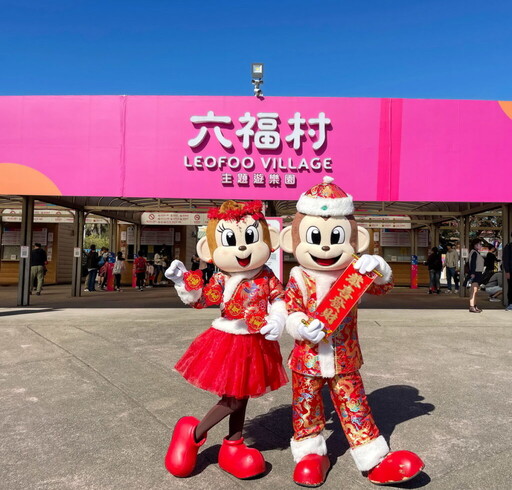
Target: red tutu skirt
{"points": [[241, 366]]}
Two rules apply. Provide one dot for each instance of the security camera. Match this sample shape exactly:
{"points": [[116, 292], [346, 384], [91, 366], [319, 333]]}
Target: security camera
{"points": [[257, 89]]}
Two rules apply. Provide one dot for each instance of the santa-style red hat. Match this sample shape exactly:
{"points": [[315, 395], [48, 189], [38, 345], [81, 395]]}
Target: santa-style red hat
{"points": [[325, 199]]}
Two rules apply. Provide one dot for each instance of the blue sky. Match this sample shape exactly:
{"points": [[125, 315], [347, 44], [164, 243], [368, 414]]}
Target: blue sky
{"points": [[388, 48]]}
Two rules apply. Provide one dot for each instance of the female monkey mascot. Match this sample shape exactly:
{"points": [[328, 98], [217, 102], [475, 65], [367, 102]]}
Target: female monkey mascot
{"points": [[237, 357], [323, 237]]}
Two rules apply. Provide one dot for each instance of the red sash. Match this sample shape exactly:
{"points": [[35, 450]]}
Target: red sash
{"points": [[343, 295]]}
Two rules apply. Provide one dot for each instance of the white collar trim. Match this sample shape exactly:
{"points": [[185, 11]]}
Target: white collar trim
{"points": [[323, 280]]}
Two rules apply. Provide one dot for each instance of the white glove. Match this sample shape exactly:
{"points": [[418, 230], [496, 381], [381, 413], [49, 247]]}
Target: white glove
{"points": [[175, 272], [367, 263], [314, 332], [272, 330]]}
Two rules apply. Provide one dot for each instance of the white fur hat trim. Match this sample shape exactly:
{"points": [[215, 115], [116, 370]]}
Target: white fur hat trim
{"points": [[324, 206], [325, 199]]}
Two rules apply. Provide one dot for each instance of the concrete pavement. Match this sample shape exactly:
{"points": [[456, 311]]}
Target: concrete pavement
{"points": [[59, 296], [88, 398]]}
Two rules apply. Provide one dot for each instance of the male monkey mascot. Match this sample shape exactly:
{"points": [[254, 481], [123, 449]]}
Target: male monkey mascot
{"points": [[323, 237]]}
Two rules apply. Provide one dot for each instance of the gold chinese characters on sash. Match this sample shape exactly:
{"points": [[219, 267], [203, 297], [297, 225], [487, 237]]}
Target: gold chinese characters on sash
{"points": [[341, 298]]}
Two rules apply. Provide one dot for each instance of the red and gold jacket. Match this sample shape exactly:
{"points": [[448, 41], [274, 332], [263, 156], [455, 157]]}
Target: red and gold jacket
{"points": [[338, 354], [245, 298]]}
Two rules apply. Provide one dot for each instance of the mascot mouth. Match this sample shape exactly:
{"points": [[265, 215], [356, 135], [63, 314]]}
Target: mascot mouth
{"points": [[244, 262], [325, 262]]}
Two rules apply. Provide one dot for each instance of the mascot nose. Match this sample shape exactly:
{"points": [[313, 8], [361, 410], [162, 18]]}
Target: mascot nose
{"points": [[242, 248], [325, 248]]}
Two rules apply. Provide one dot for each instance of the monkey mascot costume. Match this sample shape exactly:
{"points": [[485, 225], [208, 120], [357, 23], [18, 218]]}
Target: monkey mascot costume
{"points": [[238, 356], [323, 237]]}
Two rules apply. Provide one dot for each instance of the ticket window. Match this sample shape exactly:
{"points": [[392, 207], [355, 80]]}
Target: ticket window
{"points": [[155, 238], [149, 251], [11, 239]]}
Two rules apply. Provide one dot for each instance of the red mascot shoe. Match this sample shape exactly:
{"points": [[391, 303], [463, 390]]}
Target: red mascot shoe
{"points": [[311, 470], [239, 460], [396, 467], [181, 456]]}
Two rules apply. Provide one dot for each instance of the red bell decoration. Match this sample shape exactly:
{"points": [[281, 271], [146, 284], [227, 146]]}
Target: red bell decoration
{"points": [[255, 319], [396, 467], [212, 294], [193, 280], [234, 310]]}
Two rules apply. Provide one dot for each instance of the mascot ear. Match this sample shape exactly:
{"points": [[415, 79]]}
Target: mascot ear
{"points": [[203, 250], [363, 239], [285, 239], [274, 237]]}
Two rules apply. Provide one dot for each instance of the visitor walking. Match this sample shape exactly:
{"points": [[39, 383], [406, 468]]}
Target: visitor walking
{"points": [[140, 269], [92, 269], [491, 264], [38, 261], [150, 273], [119, 268], [103, 267], [451, 262], [476, 267], [159, 269], [435, 266]]}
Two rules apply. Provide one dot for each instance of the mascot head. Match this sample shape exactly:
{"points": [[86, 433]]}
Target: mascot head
{"points": [[237, 237], [324, 234]]}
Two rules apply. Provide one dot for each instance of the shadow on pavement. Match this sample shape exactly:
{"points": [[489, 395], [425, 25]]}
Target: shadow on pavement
{"points": [[395, 404], [390, 406], [206, 458], [422, 480], [24, 312]]}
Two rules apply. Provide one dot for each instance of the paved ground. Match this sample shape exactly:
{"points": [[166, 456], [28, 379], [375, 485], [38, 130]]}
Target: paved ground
{"points": [[59, 296], [88, 397]]}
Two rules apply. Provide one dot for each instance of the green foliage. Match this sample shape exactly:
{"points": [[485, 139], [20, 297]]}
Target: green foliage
{"points": [[97, 234], [98, 240]]}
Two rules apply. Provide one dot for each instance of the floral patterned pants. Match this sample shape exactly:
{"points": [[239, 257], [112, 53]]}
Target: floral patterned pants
{"points": [[349, 399]]}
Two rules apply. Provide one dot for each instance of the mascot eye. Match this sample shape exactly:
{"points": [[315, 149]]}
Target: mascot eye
{"points": [[228, 238], [313, 235], [251, 235], [337, 235]]}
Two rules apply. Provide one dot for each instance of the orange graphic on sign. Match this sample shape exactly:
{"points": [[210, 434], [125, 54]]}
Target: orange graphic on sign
{"points": [[22, 180]]}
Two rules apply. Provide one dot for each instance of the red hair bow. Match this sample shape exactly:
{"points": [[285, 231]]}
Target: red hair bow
{"points": [[252, 208]]}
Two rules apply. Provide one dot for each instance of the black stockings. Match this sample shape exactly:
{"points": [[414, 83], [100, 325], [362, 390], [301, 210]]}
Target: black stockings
{"points": [[228, 405]]}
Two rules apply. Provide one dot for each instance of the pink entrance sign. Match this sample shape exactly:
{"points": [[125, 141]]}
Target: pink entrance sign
{"points": [[246, 148]]}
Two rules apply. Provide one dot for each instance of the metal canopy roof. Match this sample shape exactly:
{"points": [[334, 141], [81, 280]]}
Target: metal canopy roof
{"points": [[130, 209]]}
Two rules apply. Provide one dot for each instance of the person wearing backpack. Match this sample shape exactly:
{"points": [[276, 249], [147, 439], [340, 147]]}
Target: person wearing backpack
{"points": [[119, 268], [140, 269]]}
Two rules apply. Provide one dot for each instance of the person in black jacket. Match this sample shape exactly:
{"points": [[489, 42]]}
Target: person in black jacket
{"points": [[507, 267], [490, 264], [92, 268], [38, 260], [476, 267], [435, 266]]}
